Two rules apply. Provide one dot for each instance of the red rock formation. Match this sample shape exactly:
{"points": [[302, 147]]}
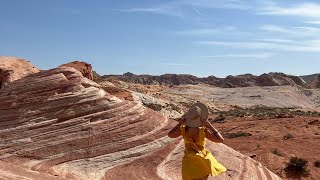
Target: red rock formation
{"points": [[83, 67], [64, 126], [12, 68], [119, 93]]}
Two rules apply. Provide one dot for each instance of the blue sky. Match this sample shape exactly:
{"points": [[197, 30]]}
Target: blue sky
{"points": [[199, 37]]}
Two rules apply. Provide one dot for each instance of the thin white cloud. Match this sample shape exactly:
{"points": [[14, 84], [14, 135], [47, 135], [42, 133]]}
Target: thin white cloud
{"points": [[161, 10], [276, 40], [176, 64], [216, 4], [301, 31], [313, 22], [255, 56], [179, 8], [306, 10], [304, 46], [274, 28], [206, 31], [197, 11]]}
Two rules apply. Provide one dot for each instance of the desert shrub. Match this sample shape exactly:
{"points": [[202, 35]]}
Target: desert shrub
{"points": [[220, 118], [156, 107], [297, 166], [317, 164], [277, 152], [237, 134], [287, 136], [97, 77]]}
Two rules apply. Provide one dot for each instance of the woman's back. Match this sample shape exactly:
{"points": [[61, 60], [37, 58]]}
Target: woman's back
{"points": [[192, 133], [194, 138]]}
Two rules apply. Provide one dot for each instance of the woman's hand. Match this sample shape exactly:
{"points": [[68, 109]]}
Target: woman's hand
{"points": [[213, 134], [182, 120], [175, 131], [205, 122]]}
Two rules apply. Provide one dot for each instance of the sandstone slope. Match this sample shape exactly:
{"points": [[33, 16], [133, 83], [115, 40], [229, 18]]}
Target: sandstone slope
{"points": [[13, 68], [63, 125], [83, 67]]}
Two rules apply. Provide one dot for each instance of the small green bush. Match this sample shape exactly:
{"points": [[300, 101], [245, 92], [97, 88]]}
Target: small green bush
{"points": [[220, 118], [297, 166], [287, 136], [96, 77], [238, 134], [277, 152]]}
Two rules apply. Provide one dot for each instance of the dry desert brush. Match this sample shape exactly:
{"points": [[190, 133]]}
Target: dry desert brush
{"points": [[287, 136], [277, 152], [297, 166], [237, 134]]}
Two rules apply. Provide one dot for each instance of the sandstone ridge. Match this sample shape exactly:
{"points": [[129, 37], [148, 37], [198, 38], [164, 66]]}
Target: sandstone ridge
{"points": [[83, 67], [13, 68]]}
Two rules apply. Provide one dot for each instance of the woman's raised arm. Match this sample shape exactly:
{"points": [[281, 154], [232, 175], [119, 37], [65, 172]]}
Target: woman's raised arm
{"points": [[212, 133], [175, 131]]}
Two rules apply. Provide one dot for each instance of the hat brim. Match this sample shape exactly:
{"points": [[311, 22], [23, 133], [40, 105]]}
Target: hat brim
{"points": [[204, 116]]}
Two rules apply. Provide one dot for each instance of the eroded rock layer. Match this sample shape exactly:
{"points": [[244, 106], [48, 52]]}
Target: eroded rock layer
{"points": [[83, 67], [12, 68], [63, 126]]}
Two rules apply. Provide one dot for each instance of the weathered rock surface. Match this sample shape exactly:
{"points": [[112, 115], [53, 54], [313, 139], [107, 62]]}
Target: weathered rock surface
{"points": [[83, 67], [246, 80], [311, 77], [63, 126], [278, 79], [275, 96], [313, 81], [13, 68], [167, 108]]}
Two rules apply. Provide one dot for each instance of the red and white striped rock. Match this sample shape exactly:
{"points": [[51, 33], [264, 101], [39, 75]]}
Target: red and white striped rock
{"points": [[12, 68], [83, 67], [56, 124]]}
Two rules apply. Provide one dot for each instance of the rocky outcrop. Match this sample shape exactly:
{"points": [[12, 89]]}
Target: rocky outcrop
{"points": [[275, 79], [83, 67], [168, 109], [246, 80], [308, 78], [64, 126], [119, 93], [313, 82], [13, 68]]}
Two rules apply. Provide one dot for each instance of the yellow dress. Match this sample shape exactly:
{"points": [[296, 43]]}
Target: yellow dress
{"points": [[198, 162]]}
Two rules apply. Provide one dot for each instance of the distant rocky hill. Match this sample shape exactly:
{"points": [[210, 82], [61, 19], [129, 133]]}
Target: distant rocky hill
{"points": [[313, 81], [309, 78], [246, 80]]}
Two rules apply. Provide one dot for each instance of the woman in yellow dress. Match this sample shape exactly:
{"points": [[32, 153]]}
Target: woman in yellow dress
{"points": [[197, 163]]}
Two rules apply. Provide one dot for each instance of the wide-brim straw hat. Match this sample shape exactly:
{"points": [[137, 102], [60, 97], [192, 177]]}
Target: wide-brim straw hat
{"points": [[195, 114]]}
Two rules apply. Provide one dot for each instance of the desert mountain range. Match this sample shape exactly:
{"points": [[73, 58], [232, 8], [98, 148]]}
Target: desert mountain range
{"points": [[245, 80], [60, 124]]}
